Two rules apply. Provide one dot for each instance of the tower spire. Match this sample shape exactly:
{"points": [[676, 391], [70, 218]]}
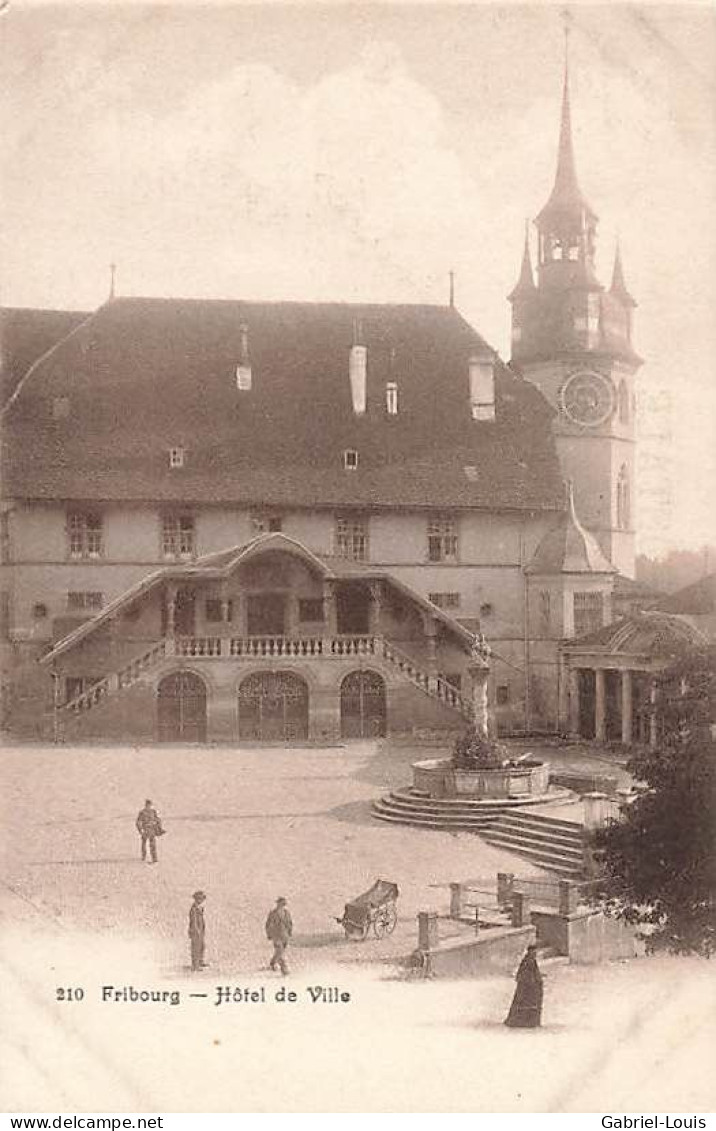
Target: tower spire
{"points": [[525, 283], [566, 196], [619, 287]]}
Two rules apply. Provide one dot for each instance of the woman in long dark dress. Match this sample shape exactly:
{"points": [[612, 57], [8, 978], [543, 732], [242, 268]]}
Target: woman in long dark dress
{"points": [[526, 1009]]}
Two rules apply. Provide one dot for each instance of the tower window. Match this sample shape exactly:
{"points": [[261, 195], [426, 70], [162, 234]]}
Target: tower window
{"points": [[84, 533], [442, 539], [588, 613], [350, 459], [178, 536], [177, 457], [623, 401], [39, 611], [391, 398], [352, 537], [623, 499]]}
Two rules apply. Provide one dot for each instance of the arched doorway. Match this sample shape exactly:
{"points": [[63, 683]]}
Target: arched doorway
{"points": [[181, 708], [273, 707], [363, 705]]}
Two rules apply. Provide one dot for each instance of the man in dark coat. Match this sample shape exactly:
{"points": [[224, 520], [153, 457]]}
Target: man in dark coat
{"points": [[197, 930], [526, 1009], [279, 928], [149, 827]]}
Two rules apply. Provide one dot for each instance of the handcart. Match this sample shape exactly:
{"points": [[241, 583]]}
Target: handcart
{"points": [[375, 908]]}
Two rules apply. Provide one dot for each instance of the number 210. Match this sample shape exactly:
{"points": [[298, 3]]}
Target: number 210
{"points": [[69, 994]]}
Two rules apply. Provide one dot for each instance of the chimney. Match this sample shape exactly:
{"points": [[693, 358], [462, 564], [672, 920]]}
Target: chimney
{"points": [[357, 369], [243, 369], [481, 372]]}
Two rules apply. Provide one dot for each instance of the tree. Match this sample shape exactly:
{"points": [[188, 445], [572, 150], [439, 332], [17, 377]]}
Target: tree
{"points": [[659, 862]]}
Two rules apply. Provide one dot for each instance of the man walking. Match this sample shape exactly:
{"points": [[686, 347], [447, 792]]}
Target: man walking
{"points": [[197, 930], [279, 928], [149, 827]]}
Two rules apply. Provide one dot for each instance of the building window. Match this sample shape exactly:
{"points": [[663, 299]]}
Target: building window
{"points": [[391, 398], [350, 459], [178, 539], [262, 522], [4, 536], [60, 408], [502, 694], [588, 613], [39, 611], [84, 602], [442, 539], [177, 457], [310, 609], [623, 499], [545, 611], [352, 538], [85, 534], [445, 600], [213, 611], [486, 609]]}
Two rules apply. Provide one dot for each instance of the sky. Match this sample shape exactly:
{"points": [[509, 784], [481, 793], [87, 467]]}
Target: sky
{"points": [[360, 152]]}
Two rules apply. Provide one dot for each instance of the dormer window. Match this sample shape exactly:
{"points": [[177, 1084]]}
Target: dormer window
{"points": [[391, 398], [177, 457], [350, 459]]}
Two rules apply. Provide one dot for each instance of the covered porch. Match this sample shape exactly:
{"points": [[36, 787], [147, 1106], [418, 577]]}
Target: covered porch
{"points": [[608, 680]]}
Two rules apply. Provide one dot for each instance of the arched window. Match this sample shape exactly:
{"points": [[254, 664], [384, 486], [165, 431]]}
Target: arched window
{"points": [[623, 499], [623, 401]]}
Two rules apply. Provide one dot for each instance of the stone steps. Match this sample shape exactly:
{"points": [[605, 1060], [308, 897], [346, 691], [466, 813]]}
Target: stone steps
{"points": [[546, 841], [413, 807]]}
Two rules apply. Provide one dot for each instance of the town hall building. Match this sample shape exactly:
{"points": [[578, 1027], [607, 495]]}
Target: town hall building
{"points": [[245, 521]]}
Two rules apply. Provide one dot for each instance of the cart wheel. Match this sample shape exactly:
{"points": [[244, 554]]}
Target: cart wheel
{"points": [[391, 918], [380, 923], [364, 931]]}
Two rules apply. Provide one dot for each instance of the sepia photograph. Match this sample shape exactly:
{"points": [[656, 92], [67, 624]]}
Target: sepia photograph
{"points": [[357, 558]]}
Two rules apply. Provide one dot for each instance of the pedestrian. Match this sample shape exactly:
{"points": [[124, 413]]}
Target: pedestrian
{"points": [[526, 1009], [149, 827], [197, 930], [279, 928]]}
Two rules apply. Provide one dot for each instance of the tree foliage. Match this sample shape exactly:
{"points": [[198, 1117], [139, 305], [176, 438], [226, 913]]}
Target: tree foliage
{"points": [[659, 862]]}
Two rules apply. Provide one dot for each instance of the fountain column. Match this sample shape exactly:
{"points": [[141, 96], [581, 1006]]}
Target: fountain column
{"points": [[479, 670]]}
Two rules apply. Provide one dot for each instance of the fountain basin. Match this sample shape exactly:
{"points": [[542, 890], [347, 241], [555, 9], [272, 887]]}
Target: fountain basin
{"points": [[437, 777]]}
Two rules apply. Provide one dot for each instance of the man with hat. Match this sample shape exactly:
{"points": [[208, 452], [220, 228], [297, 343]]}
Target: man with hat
{"points": [[197, 930], [149, 827], [279, 928]]}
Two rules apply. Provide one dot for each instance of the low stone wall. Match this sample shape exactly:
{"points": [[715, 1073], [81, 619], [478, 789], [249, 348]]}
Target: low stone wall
{"points": [[587, 937], [439, 778], [493, 951]]}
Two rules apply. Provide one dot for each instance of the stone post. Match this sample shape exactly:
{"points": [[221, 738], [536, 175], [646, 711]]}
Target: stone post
{"points": [[427, 930], [595, 810], [376, 606], [457, 897], [520, 910], [568, 897], [171, 610], [330, 611], [505, 882]]}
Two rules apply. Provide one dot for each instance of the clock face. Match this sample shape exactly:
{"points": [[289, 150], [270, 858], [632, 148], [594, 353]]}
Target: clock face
{"points": [[587, 398]]}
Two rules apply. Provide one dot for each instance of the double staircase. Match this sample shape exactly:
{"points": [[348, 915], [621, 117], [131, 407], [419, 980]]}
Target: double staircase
{"points": [[212, 648]]}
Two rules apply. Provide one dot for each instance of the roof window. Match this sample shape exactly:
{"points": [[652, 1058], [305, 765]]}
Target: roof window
{"points": [[391, 398], [177, 457], [350, 459]]}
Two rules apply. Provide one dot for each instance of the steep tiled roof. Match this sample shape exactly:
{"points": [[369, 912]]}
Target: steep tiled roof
{"points": [[569, 548], [25, 335], [145, 375], [697, 599]]}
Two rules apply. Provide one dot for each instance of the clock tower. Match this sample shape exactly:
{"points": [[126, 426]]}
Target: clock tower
{"points": [[573, 339]]}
